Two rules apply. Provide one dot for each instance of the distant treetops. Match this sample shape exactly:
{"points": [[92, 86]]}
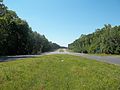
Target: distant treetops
{"points": [[2, 8], [105, 40], [16, 37]]}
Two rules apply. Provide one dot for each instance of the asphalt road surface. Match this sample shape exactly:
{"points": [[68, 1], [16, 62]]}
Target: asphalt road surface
{"points": [[108, 59]]}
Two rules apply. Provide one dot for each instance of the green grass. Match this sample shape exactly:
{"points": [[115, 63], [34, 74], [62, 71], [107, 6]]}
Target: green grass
{"points": [[118, 56], [105, 55], [68, 50], [97, 54], [59, 72], [61, 50]]}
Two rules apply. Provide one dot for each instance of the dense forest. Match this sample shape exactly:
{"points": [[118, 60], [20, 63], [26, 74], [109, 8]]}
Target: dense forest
{"points": [[17, 37], [105, 40]]}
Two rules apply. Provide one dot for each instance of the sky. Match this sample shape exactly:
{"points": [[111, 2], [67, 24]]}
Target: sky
{"points": [[63, 21]]}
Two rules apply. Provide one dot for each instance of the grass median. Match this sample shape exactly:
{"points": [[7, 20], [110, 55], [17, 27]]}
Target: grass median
{"points": [[59, 72]]}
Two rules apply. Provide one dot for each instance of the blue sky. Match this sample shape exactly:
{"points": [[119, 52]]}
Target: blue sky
{"points": [[63, 21]]}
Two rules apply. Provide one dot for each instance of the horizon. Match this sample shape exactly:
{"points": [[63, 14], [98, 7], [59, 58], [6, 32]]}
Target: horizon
{"points": [[64, 21]]}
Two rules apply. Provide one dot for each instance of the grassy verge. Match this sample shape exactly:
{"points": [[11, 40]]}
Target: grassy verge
{"points": [[61, 50], [68, 50], [59, 72], [106, 55], [99, 54]]}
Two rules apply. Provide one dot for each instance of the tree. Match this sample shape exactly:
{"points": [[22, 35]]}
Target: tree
{"points": [[17, 37], [104, 40]]}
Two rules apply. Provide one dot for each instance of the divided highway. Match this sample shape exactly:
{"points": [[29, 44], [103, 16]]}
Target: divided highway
{"points": [[108, 59]]}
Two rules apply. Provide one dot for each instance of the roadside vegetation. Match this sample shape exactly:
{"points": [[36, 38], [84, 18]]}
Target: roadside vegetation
{"points": [[105, 55], [105, 40], [17, 37], [59, 72]]}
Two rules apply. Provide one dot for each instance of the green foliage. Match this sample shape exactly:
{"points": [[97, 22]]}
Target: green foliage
{"points": [[16, 37], [105, 40], [1, 0], [59, 72], [61, 50]]}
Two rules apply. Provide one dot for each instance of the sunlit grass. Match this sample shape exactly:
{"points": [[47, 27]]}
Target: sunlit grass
{"points": [[61, 50], [59, 72], [106, 55]]}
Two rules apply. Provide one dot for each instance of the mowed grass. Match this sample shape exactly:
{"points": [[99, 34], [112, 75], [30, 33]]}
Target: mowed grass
{"points": [[105, 55], [61, 50], [59, 72]]}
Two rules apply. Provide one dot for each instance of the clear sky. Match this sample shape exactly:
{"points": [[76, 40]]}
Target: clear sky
{"points": [[63, 21]]}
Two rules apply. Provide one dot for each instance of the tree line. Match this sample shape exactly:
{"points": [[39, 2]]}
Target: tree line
{"points": [[105, 40], [17, 37]]}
